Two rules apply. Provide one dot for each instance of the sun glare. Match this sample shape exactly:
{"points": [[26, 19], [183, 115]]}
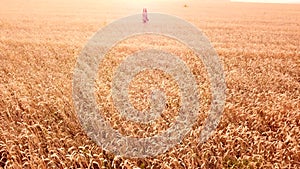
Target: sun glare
{"points": [[268, 1]]}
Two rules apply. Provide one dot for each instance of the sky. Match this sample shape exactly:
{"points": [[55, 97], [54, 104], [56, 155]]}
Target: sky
{"points": [[269, 1]]}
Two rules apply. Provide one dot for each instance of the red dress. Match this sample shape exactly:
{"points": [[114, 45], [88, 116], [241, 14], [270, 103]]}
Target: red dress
{"points": [[145, 15]]}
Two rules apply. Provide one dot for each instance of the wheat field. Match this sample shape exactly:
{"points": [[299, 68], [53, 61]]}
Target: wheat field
{"points": [[258, 44]]}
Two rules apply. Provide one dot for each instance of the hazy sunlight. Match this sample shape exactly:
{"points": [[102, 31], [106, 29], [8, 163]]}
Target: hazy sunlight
{"points": [[268, 1]]}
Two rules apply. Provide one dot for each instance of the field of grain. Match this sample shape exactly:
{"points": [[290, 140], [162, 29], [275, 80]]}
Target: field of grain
{"points": [[259, 45]]}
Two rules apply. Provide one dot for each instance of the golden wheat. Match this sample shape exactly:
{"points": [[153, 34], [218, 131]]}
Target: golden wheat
{"points": [[259, 47]]}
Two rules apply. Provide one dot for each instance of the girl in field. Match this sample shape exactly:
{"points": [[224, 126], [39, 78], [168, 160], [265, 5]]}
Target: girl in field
{"points": [[145, 15]]}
